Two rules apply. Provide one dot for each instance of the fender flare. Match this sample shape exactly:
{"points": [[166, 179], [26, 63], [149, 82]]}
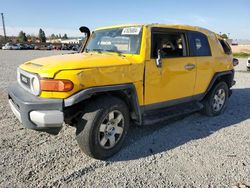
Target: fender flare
{"points": [[217, 76], [128, 89]]}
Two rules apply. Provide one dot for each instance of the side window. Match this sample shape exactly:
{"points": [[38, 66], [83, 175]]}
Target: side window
{"points": [[227, 49], [171, 44], [199, 44]]}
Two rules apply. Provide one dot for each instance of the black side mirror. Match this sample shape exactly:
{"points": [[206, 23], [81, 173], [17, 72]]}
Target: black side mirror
{"points": [[158, 59], [235, 62]]}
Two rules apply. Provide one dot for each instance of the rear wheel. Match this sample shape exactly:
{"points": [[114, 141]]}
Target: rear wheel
{"points": [[102, 129], [248, 68], [215, 102]]}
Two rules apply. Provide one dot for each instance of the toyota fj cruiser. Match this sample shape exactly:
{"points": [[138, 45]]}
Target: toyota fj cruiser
{"points": [[122, 74]]}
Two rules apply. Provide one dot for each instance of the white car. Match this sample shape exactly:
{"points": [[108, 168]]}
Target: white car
{"points": [[248, 64], [9, 46]]}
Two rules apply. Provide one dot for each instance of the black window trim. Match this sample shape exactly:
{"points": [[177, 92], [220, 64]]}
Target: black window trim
{"points": [[190, 50], [228, 46], [160, 30]]}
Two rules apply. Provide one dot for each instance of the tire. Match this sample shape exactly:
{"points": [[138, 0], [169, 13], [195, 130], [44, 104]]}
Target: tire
{"points": [[248, 68], [215, 107], [99, 127]]}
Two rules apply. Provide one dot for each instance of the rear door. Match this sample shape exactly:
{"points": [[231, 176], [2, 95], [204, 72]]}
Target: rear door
{"points": [[200, 50]]}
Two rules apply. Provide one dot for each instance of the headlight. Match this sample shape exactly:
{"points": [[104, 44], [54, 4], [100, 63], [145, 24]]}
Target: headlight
{"points": [[35, 85]]}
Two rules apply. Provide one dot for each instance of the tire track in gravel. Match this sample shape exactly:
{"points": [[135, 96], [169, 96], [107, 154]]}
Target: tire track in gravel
{"points": [[78, 173]]}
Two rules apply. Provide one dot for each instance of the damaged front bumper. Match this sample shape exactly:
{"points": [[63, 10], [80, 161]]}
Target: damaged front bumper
{"points": [[34, 112]]}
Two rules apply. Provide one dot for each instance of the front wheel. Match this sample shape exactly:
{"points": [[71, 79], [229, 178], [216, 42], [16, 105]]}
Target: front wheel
{"points": [[102, 129], [215, 102]]}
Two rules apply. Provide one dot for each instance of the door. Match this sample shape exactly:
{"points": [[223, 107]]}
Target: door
{"points": [[174, 81], [200, 49]]}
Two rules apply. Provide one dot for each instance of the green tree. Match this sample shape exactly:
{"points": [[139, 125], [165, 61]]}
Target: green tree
{"points": [[224, 36], [22, 37], [65, 36], [41, 35], [52, 36]]}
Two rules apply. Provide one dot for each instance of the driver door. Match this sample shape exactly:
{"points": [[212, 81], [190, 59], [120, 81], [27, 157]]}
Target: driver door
{"points": [[173, 82]]}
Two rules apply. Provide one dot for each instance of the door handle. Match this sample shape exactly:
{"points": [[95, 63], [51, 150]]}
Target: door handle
{"points": [[189, 66]]}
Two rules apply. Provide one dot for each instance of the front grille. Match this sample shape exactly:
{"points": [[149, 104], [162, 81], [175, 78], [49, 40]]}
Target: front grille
{"points": [[25, 80]]}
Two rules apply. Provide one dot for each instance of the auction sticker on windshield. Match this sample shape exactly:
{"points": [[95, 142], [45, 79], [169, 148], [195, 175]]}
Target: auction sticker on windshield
{"points": [[131, 31]]}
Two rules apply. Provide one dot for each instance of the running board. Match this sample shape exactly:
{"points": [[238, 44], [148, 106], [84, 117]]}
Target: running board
{"points": [[157, 116]]}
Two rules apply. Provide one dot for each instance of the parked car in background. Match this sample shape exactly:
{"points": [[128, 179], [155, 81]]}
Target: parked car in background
{"points": [[75, 47], [29, 47], [43, 47], [9, 46], [248, 64], [21, 46]]}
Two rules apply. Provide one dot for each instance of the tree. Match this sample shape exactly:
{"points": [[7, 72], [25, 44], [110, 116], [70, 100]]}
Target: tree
{"points": [[224, 36], [65, 36], [52, 36], [42, 36], [31, 38], [22, 37]]}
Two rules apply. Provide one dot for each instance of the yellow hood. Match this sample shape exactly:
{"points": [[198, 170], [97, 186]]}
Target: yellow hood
{"points": [[48, 66]]}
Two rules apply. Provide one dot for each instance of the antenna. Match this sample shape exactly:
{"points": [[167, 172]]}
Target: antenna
{"points": [[4, 31]]}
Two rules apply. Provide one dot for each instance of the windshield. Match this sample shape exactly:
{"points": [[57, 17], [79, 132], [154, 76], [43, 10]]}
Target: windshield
{"points": [[121, 40]]}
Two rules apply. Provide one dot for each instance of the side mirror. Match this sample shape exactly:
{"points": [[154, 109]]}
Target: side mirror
{"points": [[235, 62], [158, 60]]}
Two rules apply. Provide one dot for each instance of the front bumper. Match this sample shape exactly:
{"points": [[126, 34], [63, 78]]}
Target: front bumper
{"points": [[34, 112]]}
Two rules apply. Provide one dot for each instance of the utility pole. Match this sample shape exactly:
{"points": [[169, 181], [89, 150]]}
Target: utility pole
{"points": [[4, 31]]}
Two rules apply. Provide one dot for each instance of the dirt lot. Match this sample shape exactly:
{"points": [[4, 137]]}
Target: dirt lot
{"points": [[196, 151], [241, 48]]}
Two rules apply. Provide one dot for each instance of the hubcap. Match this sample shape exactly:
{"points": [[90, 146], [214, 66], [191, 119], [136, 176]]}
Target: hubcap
{"points": [[111, 129], [219, 100]]}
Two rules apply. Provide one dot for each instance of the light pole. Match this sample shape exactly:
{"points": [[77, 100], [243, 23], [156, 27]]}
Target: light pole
{"points": [[4, 31]]}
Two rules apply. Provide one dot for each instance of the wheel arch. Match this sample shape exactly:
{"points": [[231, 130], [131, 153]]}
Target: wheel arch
{"points": [[227, 76], [125, 92]]}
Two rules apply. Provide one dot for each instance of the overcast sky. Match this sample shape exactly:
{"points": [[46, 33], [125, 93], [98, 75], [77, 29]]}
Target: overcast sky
{"points": [[61, 16]]}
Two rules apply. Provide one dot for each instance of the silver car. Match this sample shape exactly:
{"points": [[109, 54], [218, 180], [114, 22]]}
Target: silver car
{"points": [[9, 46]]}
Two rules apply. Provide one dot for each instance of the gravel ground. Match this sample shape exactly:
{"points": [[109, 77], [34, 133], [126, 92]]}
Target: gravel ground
{"points": [[195, 151]]}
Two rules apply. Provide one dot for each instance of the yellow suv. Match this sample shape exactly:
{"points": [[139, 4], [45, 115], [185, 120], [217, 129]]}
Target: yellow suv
{"points": [[129, 73]]}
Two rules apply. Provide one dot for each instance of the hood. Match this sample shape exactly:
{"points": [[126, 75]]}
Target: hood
{"points": [[48, 66]]}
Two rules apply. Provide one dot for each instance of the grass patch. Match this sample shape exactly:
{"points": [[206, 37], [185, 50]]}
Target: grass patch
{"points": [[241, 54]]}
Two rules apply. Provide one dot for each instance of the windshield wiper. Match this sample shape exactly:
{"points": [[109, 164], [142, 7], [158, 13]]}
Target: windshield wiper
{"points": [[116, 51]]}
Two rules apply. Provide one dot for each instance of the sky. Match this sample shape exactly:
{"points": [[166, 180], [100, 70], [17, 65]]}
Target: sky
{"points": [[64, 16]]}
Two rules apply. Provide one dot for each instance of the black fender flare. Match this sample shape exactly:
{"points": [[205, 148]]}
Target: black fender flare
{"points": [[218, 76], [128, 89]]}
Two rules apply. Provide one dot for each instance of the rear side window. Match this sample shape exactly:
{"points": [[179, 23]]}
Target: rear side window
{"points": [[227, 49], [199, 45]]}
